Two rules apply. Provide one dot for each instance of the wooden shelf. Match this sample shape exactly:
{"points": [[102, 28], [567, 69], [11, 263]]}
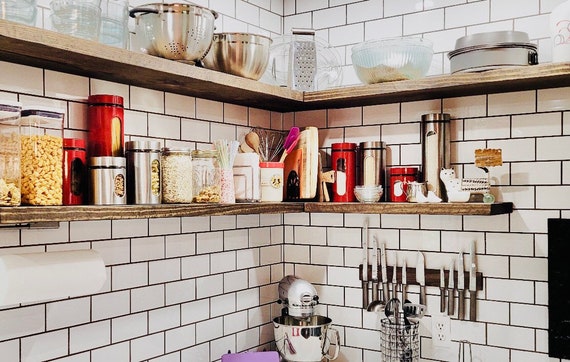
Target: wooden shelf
{"points": [[50, 50], [41, 214]]}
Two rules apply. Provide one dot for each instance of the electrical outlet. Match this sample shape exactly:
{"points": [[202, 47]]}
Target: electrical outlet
{"points": [[441, 330]]}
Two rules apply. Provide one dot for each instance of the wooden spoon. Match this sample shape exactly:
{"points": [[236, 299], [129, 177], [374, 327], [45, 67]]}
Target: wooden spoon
{"points": [[252, 140]]}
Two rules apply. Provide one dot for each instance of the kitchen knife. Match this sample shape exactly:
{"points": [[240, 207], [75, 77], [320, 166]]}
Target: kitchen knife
{"points": [[385, 291], [395, 281], [374, 262], [472, 284], [441, 290], [404, 282], [451, 290], [420, 277], [365, 265], [460, 287]]}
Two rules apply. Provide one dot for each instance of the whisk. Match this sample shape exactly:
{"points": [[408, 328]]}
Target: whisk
{"points": [[270, 144]]}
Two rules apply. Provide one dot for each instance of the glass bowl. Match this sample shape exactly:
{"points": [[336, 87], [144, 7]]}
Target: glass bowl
{"points": [[368, 193], [392, 59]]}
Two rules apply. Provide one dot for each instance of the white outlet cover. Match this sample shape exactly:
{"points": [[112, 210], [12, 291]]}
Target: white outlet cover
{"points": [[441, 331]]}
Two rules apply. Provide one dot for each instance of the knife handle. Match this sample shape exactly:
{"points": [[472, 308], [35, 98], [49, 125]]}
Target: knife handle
{"points": [[442, 300], [450, 301], [365, 294], [385, 292], [423, 299], [374, 290], [472, 305], [461, 304], [404, 294]]}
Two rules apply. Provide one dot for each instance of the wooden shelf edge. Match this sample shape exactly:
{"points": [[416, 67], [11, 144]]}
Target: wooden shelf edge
{"points": [[410, 208]]}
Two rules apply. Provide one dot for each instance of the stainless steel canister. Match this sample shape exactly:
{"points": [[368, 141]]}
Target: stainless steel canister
{"points": [[143, 172], [372, 164], [436, 150], [107, 176]]}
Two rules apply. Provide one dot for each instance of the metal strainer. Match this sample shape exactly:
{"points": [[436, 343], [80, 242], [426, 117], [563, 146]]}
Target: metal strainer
{"points": [[180, 32]]}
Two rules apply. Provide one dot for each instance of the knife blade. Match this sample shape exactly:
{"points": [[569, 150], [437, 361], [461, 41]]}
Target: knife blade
{"points": [[385, 291], [441, 290], [420, 277], [404, 282], [460, 287], [364, 278], [472, 284], [451, 290], [374, 262], [395, 281]]}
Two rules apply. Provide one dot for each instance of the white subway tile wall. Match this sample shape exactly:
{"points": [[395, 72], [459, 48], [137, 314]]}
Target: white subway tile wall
{"points": [[192, 288]]}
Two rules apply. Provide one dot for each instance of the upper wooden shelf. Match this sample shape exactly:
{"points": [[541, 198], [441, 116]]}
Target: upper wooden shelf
{"points": [[43, 214], [50, 50]]}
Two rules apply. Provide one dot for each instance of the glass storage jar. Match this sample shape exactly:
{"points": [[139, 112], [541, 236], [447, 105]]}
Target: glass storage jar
{"points": [[10, 153], [42, 156], [176, 166], [205, 177]]}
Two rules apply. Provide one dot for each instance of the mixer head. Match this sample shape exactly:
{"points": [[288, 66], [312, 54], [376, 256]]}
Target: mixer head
{"points": [[298, 296]]}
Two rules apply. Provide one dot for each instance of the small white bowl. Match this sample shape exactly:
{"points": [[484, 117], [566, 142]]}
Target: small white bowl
{"points": [[368, 193]]}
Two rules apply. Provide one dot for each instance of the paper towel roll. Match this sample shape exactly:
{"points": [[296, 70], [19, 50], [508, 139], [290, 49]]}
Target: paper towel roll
{"points": [[36, 277]]}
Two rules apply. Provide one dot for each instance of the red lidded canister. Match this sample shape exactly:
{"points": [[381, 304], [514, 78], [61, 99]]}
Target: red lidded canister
{"points": [[74, 171], [106, 126], [343, 159], [399, 178]]}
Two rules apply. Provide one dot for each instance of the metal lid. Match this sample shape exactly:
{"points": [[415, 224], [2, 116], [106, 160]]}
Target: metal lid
{"points": [[177, 150], [343, 146], [74, 143], [436, 117], [110, 99], [142, 146], [368, 145], [204, 154], [492, 40], [107, 161]]}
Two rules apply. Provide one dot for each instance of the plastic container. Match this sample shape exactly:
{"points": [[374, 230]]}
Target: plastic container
{"points": [[176, 174], [271, 181], [105, 125], [114, 29], [399, 177], [42, 156], [108, 181], [343, 159], [10, 148], [74, 171], [205, 177], [143, 172], [20, 11], [79, 18]]}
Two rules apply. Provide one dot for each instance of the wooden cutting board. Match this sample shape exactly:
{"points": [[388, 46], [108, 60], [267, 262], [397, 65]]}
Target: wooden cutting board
{"points": [[309, 173]]}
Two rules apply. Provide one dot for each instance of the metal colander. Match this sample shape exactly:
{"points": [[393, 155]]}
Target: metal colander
{"points": [[180, 32]]}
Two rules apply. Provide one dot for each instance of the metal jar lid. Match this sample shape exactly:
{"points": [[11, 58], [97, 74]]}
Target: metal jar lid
{"points": [[436, 117], [144, 146], [108, 162], [372, 145]]}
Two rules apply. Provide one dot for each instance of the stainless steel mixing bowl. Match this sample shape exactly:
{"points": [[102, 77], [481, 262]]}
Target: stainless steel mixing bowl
{"points": [[242, 54], [180, 32]]}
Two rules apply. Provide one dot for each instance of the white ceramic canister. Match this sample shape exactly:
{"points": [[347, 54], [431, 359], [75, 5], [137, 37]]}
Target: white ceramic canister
{"points": [[271, 181], [560, 32]]}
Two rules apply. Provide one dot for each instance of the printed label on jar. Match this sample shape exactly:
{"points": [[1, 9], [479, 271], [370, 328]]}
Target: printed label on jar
{"points": [[275, 181]]}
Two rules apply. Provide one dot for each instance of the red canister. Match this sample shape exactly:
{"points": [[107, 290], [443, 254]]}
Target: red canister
{"points": [[74, 171], [106, 126], [343, 158], [399, 178]]}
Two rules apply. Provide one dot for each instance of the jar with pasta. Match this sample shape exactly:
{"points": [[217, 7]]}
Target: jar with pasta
{"points": [[176, 175], [42, 156], [10, 153], [205, 177]]}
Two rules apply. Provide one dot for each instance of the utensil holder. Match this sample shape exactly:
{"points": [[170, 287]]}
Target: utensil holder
{"points": [[399, 341]]}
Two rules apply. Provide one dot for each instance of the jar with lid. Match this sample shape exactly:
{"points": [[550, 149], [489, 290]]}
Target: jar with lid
{"points": [[105, 124], [10, 153], [176, 175], [42, 156], [74, 171], [400, 177], [343, 159], [107, 180], [205, 177], [143, 172], [372, 164]]}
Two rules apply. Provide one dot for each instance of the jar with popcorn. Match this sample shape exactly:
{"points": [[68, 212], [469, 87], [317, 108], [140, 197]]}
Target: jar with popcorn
{"points": [[205, 177], [10, 153], [42, 156]]}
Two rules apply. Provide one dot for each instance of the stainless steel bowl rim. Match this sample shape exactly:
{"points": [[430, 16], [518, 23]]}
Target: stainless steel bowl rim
{"points": [[398, 41], [161, 8], [240, 37]]}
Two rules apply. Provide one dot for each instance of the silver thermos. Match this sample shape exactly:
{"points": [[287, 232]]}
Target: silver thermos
{"points": [[436, 150], [143, 172]]}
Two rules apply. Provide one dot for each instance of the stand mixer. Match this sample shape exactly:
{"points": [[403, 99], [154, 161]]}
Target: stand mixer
{"points": [[300, 335]]}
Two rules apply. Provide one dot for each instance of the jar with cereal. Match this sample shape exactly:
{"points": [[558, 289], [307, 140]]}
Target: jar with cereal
{"points": [[10, 153], [42, 156], [205, 177]]}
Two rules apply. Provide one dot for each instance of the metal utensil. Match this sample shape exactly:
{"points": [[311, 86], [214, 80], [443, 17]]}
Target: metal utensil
{"points": [[374, 262], [441, 290], [303, 60], [420, 277], [414, 312], [394, 281], [364, 276], [451, 290], [392, 310], [385, 291], [460, 287], [404, 282], [472, 284]]}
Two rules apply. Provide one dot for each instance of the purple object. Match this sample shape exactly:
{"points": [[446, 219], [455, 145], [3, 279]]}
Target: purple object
{"points": [[271, 356]]}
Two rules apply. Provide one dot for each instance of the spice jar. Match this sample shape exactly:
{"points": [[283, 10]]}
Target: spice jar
{"points": [[107, 177], [74, 171], [205, 177], [42, 156], [176, 174], [105, 125], [343, 159], [399, 179], [143, 172], [10, 148]]}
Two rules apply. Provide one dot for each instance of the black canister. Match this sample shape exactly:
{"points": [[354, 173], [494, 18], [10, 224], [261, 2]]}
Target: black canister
{"points": [[372, 164], [436, 150], [143, 172]]}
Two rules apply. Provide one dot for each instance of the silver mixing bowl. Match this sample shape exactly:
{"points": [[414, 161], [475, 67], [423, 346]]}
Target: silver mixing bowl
{"points": [[180, 32], [242, 54]]}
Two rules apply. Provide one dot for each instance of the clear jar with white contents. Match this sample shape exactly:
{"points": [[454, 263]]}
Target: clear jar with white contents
{"points": [[176, 173], [205, 177], [10, 153]]}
